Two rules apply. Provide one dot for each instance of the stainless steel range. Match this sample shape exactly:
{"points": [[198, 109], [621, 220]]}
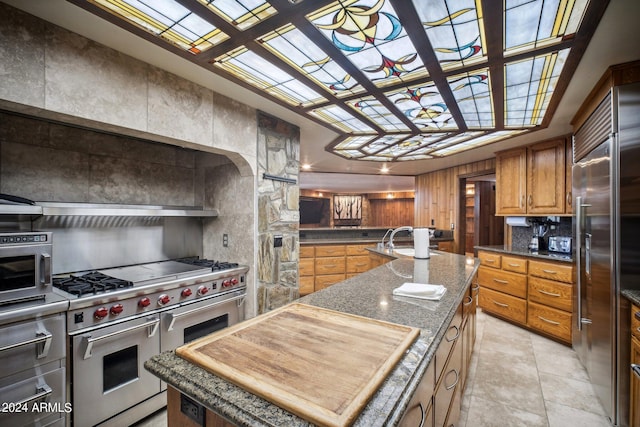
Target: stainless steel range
{"points": [[120, 317]]}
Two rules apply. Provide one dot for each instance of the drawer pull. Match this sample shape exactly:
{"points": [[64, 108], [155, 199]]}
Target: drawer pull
{"points": [[550, 271], [551, 294], [362, 264], [514, 265], [504, 282], [638, 315], [470, 301], [490, 260], [548, 321], [330, 266], [455, 382], [457, 334], [499, 304], [636, 369]]}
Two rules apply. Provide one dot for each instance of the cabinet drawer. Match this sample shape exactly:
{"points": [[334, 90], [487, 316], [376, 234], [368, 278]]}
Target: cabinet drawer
{"points": [[550, 320], [453, 335], [358, 249], [329, 265], [490, 259], [305, 267], [444, 399], [357, 264], [515, 264], [330, 250], [307, 251], [551, 270], [326, 280], [503, 281], [635, 321], [548, 292], [306, 285], [505, 305]]}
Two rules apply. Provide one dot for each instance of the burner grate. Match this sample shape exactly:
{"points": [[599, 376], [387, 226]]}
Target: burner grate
{"points": [[90, 283], [214, 265]]}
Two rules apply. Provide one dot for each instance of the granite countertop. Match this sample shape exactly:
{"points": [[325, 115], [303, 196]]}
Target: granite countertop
{"points": [[632, 295], [507, 249], [370, 295]]}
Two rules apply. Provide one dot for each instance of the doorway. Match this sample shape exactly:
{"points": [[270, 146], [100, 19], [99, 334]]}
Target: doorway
{"points": [[479, 224]]}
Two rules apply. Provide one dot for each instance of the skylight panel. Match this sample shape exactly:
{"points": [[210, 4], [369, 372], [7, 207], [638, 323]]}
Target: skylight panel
{"points": [[472, 92], [374, 110], [293, 47], [455, 29], [242, 14], [534, 23], [255, 70], [339, 118], [370, 35], [168, 20], [424, 106], [529, 86]]}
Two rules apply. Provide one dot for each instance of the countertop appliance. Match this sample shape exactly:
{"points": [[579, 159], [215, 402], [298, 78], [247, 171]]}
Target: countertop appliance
{"points": [[559, 244], [606, 187], [32, 333], [120, 317]]}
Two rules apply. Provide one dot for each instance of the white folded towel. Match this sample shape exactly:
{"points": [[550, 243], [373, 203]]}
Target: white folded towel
{"points": [[420, 290]]}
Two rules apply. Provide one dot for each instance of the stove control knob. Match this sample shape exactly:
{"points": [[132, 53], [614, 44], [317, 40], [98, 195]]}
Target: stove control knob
{"points": [[234, 281], [101, 313], [226, 283], [186, 292], [164, 299], [202, 290], [144, 302], [116, 309]]}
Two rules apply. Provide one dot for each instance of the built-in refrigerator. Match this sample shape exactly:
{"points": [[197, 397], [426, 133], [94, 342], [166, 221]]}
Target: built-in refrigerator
{"points": [[606, 191]]}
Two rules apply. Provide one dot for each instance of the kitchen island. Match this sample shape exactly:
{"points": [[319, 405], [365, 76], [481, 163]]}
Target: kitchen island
{"points": [[369, 295]]}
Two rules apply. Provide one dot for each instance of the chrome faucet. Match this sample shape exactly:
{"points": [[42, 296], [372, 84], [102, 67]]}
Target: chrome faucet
{"points": [[381, 244], [393, 233]]}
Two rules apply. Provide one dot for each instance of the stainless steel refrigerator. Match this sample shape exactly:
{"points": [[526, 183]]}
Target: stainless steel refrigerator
{"points": [[606, 191]]}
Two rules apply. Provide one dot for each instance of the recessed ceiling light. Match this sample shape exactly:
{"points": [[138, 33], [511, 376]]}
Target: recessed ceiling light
{"points": [[384, 169], [306, 166]]}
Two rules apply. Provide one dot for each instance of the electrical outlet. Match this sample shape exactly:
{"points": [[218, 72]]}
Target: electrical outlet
{"points": [[453, 226], [192, 409], [277, 241], [225, 240]]}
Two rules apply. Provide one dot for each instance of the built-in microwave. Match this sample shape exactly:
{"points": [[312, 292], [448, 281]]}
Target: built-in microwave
{"points": [[25, 266]]}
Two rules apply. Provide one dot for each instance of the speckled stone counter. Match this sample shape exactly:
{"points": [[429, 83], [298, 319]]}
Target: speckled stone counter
{"points": [[370, 295], [632, 295], [506, 249]]}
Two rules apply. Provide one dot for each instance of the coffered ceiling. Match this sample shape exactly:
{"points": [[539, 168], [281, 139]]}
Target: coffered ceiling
{"points": [[412, 85], [397, 80]]}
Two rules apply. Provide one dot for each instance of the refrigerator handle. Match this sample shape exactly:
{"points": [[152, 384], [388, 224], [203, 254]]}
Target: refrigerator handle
{"points": [[578, 248]]}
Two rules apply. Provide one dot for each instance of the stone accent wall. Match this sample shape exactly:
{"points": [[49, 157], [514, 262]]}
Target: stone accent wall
{"points": [[278, 213]]}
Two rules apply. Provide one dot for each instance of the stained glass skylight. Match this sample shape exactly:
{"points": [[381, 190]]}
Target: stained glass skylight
{"points": [[397, 80]]}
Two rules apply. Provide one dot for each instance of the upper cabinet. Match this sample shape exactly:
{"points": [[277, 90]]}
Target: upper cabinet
{"points": [[533, 180]]}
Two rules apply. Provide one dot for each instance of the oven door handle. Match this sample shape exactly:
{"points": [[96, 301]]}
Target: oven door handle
{"points": [[175, 316], [44, 337], [152, 325], [42, 391]]}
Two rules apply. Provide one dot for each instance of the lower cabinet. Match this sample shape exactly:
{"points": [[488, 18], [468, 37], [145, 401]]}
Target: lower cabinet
{"points": [[634, 388], [438, 400], [533, 293]]}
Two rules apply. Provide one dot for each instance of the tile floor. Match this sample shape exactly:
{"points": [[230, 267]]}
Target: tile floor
{"points": [[516, 378]]}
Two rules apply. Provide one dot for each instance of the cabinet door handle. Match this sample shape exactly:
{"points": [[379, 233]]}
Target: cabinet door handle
{"points": [[504, 282], [548, 321], [422, 414], [490, 260], [530, 199], [636, 369], [569, 198], [522, 202], [551, 294], [499, 304]]}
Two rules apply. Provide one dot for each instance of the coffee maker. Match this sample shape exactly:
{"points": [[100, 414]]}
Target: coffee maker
{"points": [[540, 228]]}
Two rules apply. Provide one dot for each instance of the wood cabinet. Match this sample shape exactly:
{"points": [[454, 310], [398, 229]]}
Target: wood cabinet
{"points": [[420, 409], [533, 180], [634, 384], [321, 266], [376, 260], [530, 292]]}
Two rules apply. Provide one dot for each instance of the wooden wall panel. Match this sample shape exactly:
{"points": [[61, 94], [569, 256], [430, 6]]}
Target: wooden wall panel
{"points": [[391, 213], [437, 200]]}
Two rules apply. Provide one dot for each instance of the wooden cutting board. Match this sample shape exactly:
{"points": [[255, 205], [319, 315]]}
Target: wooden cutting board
{"points": [[319, 364]]}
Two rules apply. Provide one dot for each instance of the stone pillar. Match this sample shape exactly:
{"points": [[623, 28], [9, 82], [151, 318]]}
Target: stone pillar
{"points": [[278, 212]]}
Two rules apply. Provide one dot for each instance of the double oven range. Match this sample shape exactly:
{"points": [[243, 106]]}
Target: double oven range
{"points": [[116, 319]]}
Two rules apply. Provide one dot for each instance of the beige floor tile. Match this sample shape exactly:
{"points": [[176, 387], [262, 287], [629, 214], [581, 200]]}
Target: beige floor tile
{"points": [[488, 413], [569, 392], [563, 416], [555, 358]]}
